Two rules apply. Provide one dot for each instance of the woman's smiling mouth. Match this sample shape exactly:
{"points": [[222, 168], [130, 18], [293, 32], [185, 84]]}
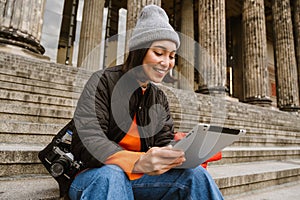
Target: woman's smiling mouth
{"points": [[161, 71]]}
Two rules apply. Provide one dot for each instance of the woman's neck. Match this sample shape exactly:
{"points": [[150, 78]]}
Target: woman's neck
{"points": [[143, 84]]}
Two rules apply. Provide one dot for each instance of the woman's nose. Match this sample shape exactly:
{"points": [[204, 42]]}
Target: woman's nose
{"points": [[165, 62]]}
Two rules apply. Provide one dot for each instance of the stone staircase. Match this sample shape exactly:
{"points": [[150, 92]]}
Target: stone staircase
{"points": [[37, 98], [268, 155]]}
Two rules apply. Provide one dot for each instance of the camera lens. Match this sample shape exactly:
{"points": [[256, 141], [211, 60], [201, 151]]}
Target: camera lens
{"points": [[59, 166]]}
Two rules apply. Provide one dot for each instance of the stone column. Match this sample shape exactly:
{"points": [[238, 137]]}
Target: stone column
{"points": [[187, 48], [134, 8], [90, 35], [212, 41], [257, 89], [286, 73], [21, 24], [297, 35]]}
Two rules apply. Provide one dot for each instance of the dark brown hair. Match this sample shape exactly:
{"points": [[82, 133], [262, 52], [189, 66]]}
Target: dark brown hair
{"points": [[136, 56]]}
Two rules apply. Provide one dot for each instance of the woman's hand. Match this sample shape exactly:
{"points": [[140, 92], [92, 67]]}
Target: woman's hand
{"points": [[158, 160]]}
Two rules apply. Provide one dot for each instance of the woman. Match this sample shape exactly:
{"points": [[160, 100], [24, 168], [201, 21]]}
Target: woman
{"points": [[124, 126]]}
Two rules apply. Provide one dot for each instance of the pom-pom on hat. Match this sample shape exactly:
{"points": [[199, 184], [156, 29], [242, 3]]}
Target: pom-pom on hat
{"points": [[152, 25]]}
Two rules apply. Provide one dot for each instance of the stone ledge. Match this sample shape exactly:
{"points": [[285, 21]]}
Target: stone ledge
{"points": [[34, 89], [39, 83], [265, 140], [26, 138], [233, 179], [243, 177], [64, 79], [26, 154], [34, 113], [25, 64], [12, 127], [36, 98], [29, 187], [278, 192]]}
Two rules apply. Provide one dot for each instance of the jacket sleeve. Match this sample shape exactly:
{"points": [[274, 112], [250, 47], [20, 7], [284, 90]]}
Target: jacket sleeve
{"points": [[90, 143], [166, 134]]}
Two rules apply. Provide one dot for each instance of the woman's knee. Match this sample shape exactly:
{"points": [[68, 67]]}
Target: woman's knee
{"points": [[97, 182], [111, 171], [198, 173], [105, 174]]}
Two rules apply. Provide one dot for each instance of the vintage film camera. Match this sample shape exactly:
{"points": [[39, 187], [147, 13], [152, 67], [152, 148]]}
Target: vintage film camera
{"points": [[58, 159], [61, 160]]}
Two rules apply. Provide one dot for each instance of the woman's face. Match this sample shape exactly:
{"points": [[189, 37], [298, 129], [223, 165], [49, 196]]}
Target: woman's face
{"points": [[159, 60]]}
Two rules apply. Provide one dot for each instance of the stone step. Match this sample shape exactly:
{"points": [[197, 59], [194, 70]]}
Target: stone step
{"points": [[35, 114], [240, 178], [48, 116], [265, 140], [26, 138], [41, 70], [21, 96], [235, 111], [16, 156], [187, 121], [236, 182], [239, 154], [278, 192], [25, 187], [18, 159], [273, 133], [241, 119], [29, 128], [187, 125], [26, 132], [38, 83], [64, 79], [35, 89]]}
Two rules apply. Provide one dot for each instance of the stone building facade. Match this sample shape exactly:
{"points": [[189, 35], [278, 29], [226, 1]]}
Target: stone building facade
{"points": [[245, 49]]}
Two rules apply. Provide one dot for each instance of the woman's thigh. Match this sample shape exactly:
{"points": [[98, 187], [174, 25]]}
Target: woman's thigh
{"points": [[165, 186], [177, 184], [107, 182]]}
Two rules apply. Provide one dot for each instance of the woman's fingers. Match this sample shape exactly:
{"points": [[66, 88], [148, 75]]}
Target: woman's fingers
{"points": [[165, 152], [158, 160]]}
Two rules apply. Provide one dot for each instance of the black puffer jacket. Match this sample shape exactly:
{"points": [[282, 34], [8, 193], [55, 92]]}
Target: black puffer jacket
{"points": [[105, 111]]}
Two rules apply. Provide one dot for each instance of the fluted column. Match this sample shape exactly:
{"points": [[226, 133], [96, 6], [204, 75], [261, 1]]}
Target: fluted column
{"points": [[286, 73], [134, 7], [90, 35], [297, 35], [187, 48], [21, 24], [212, 40], [257, 89]]}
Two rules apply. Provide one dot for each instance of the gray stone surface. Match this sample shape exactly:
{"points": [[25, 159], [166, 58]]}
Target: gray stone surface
{"points": [[244, 177], [28, 188], [288, 191]]}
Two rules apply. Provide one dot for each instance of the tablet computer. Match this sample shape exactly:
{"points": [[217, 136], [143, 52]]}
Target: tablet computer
{"points": [[204, 141]]}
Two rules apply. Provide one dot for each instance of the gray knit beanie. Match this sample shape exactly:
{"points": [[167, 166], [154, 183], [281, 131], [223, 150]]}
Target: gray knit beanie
{"points": [[152, 25]]}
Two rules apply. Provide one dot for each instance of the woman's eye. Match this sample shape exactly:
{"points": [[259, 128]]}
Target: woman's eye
{"points": [[158, 53], [171, 57]]}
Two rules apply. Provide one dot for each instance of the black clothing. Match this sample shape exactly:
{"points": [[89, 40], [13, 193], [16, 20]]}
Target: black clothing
{"points": [[105, 112]]}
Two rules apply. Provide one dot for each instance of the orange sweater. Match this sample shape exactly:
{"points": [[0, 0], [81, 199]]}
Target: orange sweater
{"points": [[126, 159]]}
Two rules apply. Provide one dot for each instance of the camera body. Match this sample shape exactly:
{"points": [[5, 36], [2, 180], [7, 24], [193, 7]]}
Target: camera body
{"points": [[58, 159], [61, 161]]}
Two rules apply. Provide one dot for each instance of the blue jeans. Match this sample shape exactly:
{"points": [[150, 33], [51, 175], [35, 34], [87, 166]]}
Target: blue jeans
{"points": [[111, 183]]}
